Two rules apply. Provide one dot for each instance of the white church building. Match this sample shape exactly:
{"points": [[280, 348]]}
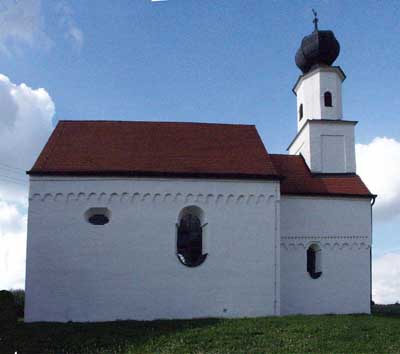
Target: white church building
{"points": [[161, 220]]}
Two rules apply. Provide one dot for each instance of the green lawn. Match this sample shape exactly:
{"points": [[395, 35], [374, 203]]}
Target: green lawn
{"points": [[379, 333]]}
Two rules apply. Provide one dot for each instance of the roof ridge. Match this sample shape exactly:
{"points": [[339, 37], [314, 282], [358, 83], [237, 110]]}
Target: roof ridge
{"points": [[147, 121], [288, 155]]}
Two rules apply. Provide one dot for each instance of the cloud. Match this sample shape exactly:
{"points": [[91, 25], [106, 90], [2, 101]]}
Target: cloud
{"points": [[378, 164], [12, 246], [25, 125], [76, 35], [21, 22], [67, 23], [386, 278]]}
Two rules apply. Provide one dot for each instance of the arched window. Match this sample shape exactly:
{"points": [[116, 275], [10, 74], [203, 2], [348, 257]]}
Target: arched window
{"points": [[189, 248], [314, 261], [300, 111], [328, 99]]}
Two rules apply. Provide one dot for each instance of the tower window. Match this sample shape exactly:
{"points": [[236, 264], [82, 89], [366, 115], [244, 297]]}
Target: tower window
{"points": [[190, 237], [328, 99], [314, 261], [300, 112]]}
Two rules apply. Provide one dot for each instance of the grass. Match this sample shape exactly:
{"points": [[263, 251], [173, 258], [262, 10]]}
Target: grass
{"points": [[379, 333]]}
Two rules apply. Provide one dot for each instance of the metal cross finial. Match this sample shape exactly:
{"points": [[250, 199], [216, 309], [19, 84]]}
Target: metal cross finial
{"points": [[315, 21]]}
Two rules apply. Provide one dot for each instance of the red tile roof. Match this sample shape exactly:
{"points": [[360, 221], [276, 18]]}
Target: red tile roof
{"points": [[298, 179], [155, 149]]}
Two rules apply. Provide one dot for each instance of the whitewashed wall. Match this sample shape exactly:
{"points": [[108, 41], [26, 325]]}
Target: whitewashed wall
{"points": [[342, 228], [310, 92], [327, 146], [127, 269]]}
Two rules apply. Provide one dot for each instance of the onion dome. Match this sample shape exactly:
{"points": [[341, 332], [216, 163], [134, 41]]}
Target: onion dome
{"points": [[320, 47]]}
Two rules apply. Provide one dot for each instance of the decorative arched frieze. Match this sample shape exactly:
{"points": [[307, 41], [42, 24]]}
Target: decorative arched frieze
{"points": [[81, 197], [167, 197], [125, 198], [178, 198], [260, 199], [58, 197], [92, 197], [135, 198], [200, 198], [331, 243], [189, 198], [209, 198], [146, 197], [156, 198], [102, 197], [250, 199], [71, 197], [113, 197], [220, 199], [240, 200], [230, 199], [48, 197], [35, 197], [270, 199]]}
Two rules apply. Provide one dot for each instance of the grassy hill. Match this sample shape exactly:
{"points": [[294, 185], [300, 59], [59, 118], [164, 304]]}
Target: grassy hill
{"points": [[379, 333]]}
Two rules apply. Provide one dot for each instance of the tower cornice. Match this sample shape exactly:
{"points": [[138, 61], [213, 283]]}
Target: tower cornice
{"points": [[319, 68]]}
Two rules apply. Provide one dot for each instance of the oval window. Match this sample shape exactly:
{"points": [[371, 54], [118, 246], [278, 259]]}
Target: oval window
{"points": [[98, 216]]}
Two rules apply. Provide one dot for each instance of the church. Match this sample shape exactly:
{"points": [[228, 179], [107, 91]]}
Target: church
{"points": [[161, 220]]}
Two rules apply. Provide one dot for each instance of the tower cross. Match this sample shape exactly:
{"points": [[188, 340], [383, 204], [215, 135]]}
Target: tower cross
{"points": [[315, 21]]}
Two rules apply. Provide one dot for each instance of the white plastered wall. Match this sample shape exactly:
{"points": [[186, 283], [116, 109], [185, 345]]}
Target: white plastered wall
{"points": [[128, 269], [310, 92], [327, 147], [342, 228]]}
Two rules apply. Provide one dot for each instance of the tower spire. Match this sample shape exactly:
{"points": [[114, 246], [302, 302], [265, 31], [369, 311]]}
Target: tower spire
{"points": [[315, 20]]}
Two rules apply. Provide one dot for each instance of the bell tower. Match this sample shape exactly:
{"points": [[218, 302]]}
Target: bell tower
{"points": [[324, 139]]}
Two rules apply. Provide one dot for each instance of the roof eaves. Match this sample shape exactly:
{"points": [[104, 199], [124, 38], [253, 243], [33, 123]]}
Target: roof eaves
{"points": [[160, 174], [332, 195]]}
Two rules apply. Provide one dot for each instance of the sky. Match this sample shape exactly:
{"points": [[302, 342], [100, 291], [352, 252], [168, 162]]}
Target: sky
{"points": [[224, 61]]}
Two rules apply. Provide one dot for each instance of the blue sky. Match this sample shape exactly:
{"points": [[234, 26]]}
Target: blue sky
{"points": [[228, 61], [215, 61]]}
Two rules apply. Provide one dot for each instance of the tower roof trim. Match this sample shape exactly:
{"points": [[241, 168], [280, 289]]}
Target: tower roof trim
{"points": [[318, 68]]}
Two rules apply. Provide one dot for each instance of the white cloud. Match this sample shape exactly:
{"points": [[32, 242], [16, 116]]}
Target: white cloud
{"points": [[76, 36], [12, 246], [386, 279], [25, 125], [21, 22], [72, 32], [378, 164]]}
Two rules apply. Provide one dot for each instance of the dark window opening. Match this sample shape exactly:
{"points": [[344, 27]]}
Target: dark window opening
{"points": [[301, 112], [314, 261], [190, 241], [328, 99], [98, 219], [98, 216]]}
